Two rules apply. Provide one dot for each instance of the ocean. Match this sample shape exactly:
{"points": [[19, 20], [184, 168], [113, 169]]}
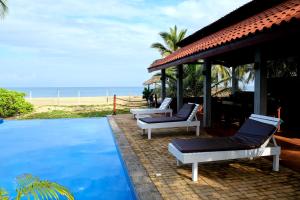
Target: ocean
{"points": [[36, 92]]}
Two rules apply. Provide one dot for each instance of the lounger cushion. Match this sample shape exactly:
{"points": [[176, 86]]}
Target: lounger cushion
{"points": [[185, 111], [182, 115], [207, 145], [254, 133], [251, 135], [161, 119]]}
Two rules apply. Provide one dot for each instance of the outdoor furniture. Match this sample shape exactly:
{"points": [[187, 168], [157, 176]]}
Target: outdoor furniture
{"points": [[251, 140], [163, 108], [186, 117]]}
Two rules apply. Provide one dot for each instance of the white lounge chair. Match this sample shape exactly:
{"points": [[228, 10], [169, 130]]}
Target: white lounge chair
{"points": [[251, 140], [186, 117], [163, 108]]}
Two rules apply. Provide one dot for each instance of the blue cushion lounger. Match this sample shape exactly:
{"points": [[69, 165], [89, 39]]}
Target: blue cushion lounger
{"points": [[186, 117], [251, 140], [163, 109]]}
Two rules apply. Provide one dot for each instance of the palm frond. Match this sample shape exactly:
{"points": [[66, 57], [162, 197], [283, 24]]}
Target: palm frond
{"points": [[31, 186], [3, 194], [161, 48], [3, 8]]}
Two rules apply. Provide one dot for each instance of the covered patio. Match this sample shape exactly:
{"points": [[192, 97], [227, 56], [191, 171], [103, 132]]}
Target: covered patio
{"points": [[257, 33]]}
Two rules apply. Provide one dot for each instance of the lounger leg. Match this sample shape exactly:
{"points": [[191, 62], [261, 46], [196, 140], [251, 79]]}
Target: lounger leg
{"points": [[197, 130], [276, 163], [178, 163], [149, 133], [143, 132], [195, 172]]}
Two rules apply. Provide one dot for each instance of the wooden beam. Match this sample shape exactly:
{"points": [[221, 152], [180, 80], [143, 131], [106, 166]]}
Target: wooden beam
{"points": [[163, 84], [260, 84], [207, 94], [179, 87]]}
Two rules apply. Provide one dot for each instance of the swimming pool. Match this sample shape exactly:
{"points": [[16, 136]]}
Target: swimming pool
{"points": [[80, 154]]}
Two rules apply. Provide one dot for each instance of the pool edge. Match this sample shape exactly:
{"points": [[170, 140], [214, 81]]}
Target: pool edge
{"points": [[143, 186]]}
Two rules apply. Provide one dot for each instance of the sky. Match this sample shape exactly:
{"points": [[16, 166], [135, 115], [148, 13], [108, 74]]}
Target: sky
{"points": [[69, 43]]}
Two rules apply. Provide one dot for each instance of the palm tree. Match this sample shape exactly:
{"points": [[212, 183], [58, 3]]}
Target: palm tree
{"points": [[3, 8], [193, 80], [220, 75], [170, 41], [29, 186], [245, 74]]}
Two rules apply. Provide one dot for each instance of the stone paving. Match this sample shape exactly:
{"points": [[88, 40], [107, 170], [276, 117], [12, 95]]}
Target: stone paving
{"points": [[235, 179]]}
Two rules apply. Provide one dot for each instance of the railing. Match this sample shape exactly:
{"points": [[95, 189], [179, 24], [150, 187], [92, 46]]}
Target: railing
{"points": [[127, 103]]}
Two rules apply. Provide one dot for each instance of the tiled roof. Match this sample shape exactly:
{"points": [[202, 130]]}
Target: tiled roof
{"points": [[282, 12]]}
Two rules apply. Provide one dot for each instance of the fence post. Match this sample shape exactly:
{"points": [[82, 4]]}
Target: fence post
{"points": [[115, 105], [279, 117]]}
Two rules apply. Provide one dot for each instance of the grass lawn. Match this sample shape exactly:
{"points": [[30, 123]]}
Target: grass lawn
{"points": [[70, 113]]}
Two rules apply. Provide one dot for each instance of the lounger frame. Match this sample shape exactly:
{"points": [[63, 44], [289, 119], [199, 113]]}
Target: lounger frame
{"points": [[267, 149], [190, 122], [163, 109]]}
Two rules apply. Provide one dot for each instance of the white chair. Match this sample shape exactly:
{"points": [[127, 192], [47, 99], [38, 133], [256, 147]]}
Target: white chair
{"points": [[184, 118], [163, 108], [252, 140]]}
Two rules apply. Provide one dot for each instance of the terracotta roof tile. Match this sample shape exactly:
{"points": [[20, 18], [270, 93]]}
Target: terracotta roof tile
{"points": [[283, 12]]}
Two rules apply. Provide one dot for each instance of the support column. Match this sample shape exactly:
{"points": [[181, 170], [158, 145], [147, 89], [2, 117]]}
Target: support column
{"points": [[207, 94], [260, 84], [179, 87], [163, 84], [234, 81]]}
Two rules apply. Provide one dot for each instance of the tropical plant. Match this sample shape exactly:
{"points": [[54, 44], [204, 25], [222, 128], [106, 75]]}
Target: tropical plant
{"points": [[29, 187], [147, 93], [3, 194], [193, 80], [245, 74], [170, 41], [220, 75], [3, 8], [13, 103]]}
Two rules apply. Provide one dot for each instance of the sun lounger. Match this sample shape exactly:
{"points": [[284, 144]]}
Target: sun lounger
{"points": [[251, 140], [186, 117], [164, 108]]}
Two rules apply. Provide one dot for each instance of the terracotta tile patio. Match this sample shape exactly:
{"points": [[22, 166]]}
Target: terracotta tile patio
{"points": [[236, 179]]}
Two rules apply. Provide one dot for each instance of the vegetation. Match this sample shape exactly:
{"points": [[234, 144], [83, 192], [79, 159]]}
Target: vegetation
{"points": [[192, 82], [56, 114], [29, 187], [13, 103], [192, 78], [147, 93], [3, 8]]}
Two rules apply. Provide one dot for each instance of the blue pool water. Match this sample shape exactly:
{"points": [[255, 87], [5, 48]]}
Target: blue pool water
{"points": [[78, 153]]}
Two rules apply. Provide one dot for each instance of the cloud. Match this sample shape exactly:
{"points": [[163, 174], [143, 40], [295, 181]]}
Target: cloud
{"points": [[94, 36]]}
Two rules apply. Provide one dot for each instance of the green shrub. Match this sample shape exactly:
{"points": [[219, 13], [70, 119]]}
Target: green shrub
{"points": [[13, 103]]}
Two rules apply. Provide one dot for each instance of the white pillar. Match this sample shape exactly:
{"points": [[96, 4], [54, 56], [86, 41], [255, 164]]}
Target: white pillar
{"points": [[260, 84], [207, 94]]}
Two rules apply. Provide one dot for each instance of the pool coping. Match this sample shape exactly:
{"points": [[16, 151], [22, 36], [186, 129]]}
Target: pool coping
{"points": [[143, 186]]}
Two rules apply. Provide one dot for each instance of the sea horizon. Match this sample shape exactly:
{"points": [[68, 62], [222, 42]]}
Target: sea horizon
{"points": [[71, 91]]}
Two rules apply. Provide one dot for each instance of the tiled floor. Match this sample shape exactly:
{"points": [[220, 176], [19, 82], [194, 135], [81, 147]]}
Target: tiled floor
{"points": [[236, 179]]}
